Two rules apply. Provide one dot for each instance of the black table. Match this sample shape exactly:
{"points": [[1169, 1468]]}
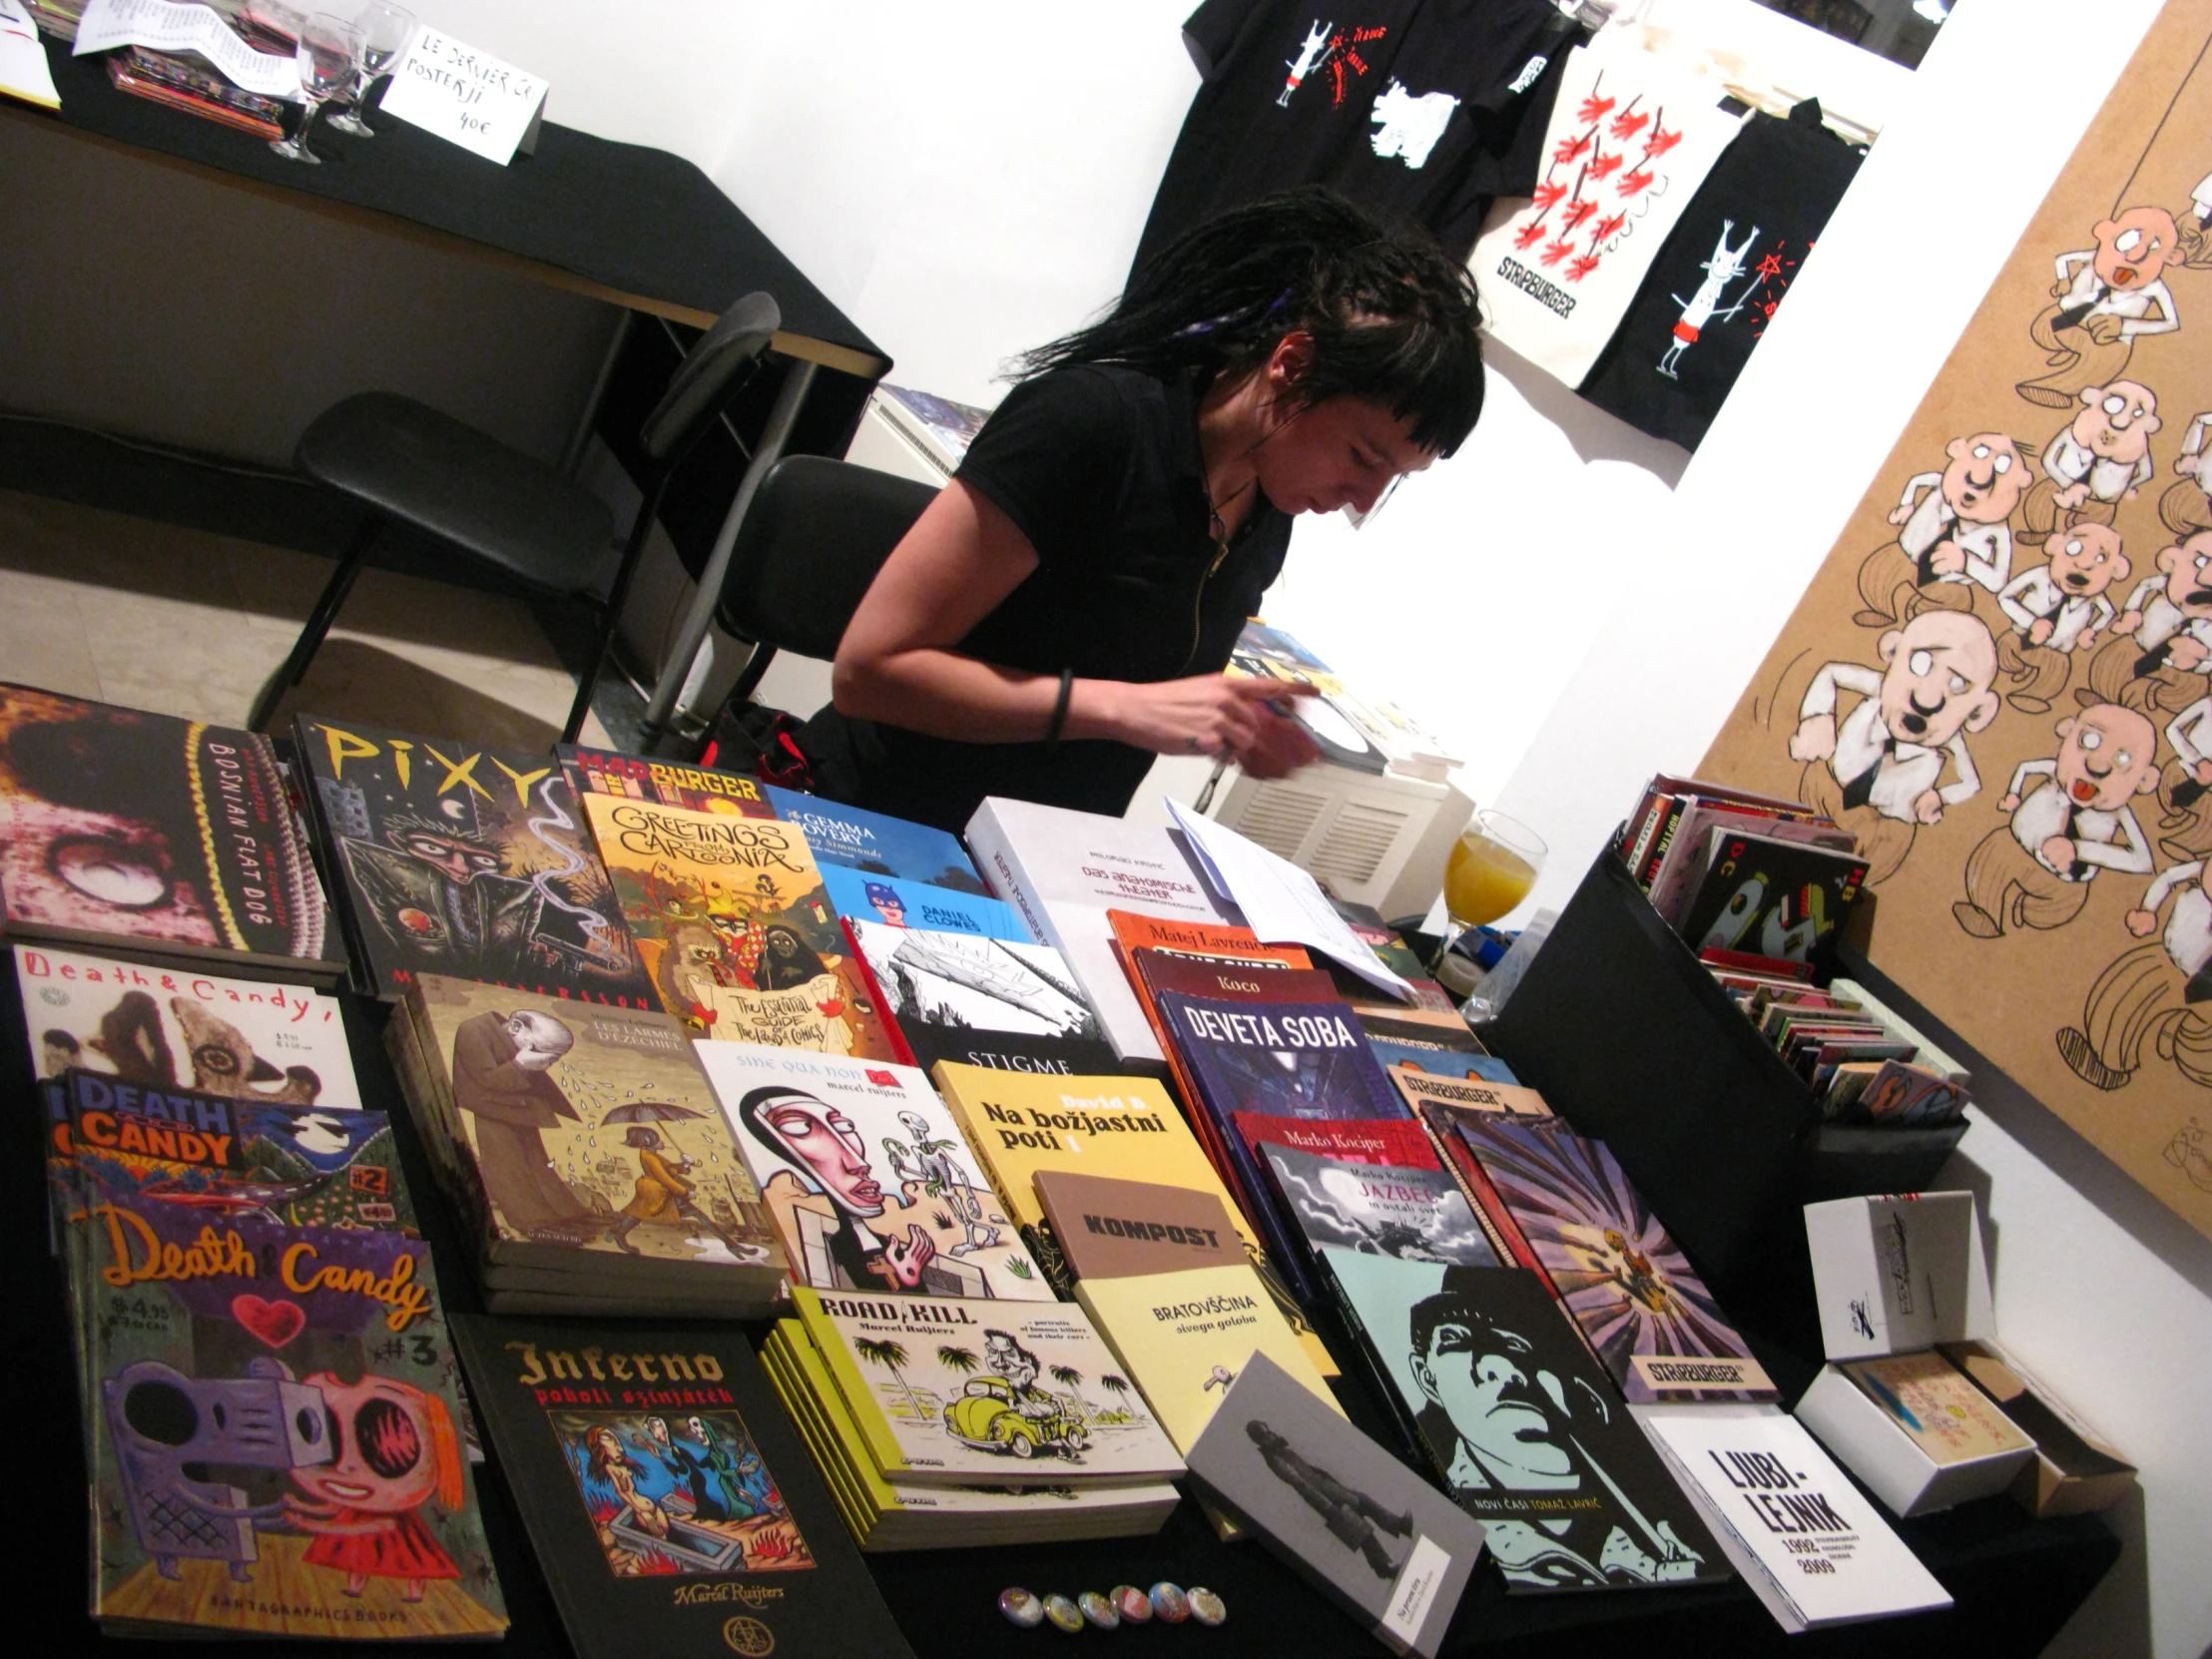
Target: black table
{"points": [[2016, 1581], [631, 226]]}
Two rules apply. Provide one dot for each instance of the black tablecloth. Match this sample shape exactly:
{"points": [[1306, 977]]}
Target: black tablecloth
{"points": [[2016, 1581], [639, 220]]}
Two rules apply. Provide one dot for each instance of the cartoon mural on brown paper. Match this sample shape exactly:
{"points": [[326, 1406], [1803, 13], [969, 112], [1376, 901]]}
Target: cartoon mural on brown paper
{"points": [[2001, 680]]}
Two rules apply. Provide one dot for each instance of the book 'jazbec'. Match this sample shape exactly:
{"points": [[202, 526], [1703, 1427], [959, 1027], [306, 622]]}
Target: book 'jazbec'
{"points": [[946, 1391], [1123, 1127], [669, 1501], [1643, 1308], [274, 1440], [143, 833], [1810, 1544], [872, 1183], [1339, 1508], [1525, 1430], [981, 1001], [455, 858], [735, 929], [1417, 1215]]}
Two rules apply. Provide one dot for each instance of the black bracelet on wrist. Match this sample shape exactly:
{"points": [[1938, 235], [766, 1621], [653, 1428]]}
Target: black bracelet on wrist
{"points": [[1059, 711]]}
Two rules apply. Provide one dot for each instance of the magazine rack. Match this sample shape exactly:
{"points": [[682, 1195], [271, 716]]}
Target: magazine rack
{"points": [[1627, 1036]]}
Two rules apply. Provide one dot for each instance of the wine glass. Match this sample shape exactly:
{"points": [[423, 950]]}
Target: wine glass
{"points": [[329, 52], [385, 31], [1490, 870]]}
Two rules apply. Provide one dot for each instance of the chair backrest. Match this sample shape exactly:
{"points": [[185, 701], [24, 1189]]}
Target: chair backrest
{"points": [[817, 534], [709, 376]]}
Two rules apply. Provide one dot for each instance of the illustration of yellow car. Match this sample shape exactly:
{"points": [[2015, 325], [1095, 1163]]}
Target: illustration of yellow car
{"points": [[986, 1418]]}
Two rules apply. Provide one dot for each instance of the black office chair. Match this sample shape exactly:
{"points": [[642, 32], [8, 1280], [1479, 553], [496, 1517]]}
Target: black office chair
{"points": [[817, 534], [404, 460]]}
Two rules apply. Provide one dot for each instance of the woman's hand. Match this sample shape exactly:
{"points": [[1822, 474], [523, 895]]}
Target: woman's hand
{"points": [[1207, 713]]}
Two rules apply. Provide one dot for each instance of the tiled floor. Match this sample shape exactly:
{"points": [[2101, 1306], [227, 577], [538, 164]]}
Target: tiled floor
{"points": [[183, 622]]}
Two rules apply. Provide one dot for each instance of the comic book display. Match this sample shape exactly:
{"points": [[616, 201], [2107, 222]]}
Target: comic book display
{"points": [[586, 1150], [735, 929], [647, 1462], [1526, 1433], [165, 837], [872, 1183], [272, 1417], [467, 861], [1997, 679], [948, 1392]]}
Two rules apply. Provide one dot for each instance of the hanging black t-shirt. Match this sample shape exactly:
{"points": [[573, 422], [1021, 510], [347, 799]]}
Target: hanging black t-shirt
{"points": [[1100, 469], [1421, 109], [1716, 282]]}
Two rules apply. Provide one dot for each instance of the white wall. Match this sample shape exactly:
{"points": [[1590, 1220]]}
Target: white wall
{"points": [[2099, 1289]]}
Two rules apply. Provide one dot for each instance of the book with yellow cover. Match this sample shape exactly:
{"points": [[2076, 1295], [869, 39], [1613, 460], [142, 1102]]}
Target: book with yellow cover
{"points": [[735, 929], [1936, 1403], [887, 1514], [1185, 1337], [1125, 1128], [952, 1392]]}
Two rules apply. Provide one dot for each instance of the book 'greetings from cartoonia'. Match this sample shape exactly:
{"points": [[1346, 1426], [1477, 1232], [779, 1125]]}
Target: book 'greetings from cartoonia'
{"points": [[471, 862], [735, 929]]}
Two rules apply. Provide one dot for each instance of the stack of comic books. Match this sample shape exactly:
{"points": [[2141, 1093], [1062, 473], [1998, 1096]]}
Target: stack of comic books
{"points": [[872, 1183], [455, 858], [943, 1424], [1024, 1126], [1730, 871], [168, 840], [1865, 1064], [584, 1147], [269, 1394], [670, 1504]]}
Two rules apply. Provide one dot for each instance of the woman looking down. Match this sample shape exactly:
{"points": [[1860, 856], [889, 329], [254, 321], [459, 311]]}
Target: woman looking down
{"points": [[1063, 610]]}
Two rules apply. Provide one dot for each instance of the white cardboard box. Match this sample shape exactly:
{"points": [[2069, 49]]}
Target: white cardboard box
{"points": [[1898, 1273], [1892, 1464]]}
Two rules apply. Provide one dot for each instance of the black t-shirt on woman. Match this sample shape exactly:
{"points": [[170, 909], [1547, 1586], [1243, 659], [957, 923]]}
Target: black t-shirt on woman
{"points": [[1099, 467]]}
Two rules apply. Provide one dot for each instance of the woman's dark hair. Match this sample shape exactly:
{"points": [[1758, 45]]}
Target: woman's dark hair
{"points": [[1393, 319]]}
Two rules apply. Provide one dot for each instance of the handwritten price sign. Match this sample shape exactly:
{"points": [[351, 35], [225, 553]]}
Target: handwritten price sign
{"points": [[464, 95]]}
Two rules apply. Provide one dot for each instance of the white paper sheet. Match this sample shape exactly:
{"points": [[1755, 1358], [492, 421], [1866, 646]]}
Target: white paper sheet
{"points": [[165, 27], [469, 97], [1280, 903], [23, 70]]}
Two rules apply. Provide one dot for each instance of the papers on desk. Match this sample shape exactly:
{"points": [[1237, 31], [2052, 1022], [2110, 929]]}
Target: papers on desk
{"points": [[23, 71], [165, 27], [1280, 903], [464, 95]]}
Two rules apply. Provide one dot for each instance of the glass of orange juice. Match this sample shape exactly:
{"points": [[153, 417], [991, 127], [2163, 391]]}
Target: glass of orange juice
{"points": [[1488, 871]]}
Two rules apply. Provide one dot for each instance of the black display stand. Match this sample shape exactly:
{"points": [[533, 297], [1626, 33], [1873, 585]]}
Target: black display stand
{"points": [[2016, 1581], [1626, 1035]]}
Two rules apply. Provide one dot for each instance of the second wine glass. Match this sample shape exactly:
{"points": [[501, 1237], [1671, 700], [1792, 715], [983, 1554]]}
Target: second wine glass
{"points": [[327, 54], [385, 31]]}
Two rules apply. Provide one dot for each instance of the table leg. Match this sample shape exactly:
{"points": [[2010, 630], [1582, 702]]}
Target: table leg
{"points": [[661, 710], [579, 440]]}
